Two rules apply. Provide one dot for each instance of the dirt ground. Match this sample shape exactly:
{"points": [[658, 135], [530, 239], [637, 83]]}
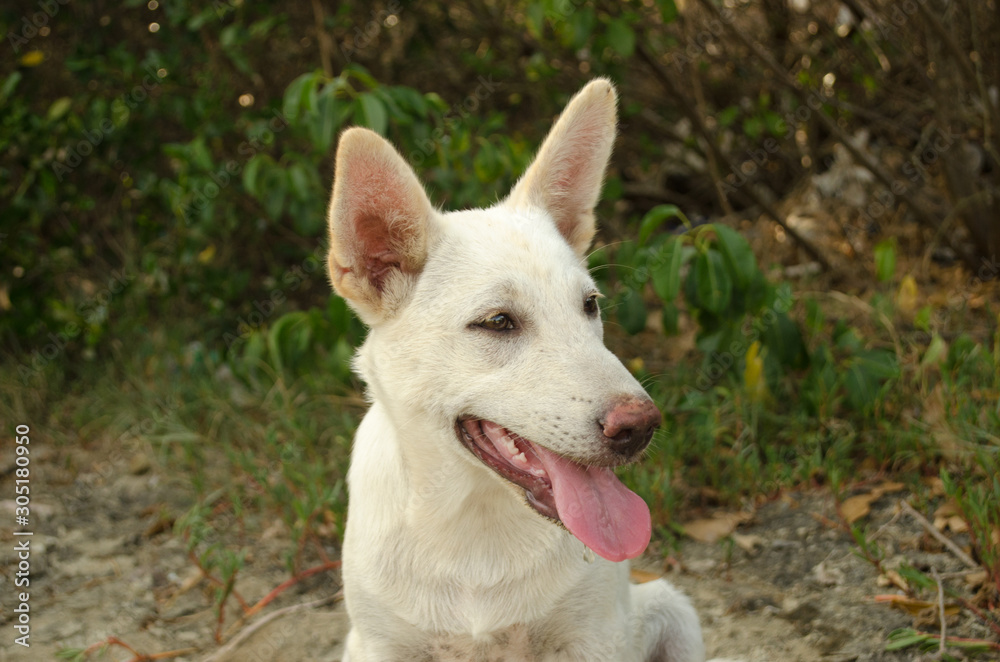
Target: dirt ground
{"points": [[792, 590]]}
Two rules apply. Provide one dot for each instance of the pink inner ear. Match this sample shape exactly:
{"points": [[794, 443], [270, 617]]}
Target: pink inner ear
{"points": [[383, 217], [375, 243]]}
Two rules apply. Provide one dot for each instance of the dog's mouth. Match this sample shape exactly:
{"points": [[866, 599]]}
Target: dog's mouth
{"points": [[588, 500]]}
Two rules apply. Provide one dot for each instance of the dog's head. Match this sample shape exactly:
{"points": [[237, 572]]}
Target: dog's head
{"points": [[486, 322]]}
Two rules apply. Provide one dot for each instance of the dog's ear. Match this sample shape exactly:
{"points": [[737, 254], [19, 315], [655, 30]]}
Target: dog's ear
{"points": [[378, 225], [566, 176]]}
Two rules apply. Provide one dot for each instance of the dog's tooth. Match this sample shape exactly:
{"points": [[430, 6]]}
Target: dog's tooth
{"points": [[520, 459]]}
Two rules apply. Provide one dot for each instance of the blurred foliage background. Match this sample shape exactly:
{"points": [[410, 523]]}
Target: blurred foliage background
{"points": [[172, 161], [800, 229]]}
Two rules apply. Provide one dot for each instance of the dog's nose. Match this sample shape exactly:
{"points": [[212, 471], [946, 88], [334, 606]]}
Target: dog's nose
{"points": [[629, 425]]}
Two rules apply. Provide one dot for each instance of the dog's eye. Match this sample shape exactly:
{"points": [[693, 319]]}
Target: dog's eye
{"points": [[590, 305], [498, 322]]}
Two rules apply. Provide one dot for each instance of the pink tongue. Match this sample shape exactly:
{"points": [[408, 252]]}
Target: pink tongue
{"points": [[596, 508]]}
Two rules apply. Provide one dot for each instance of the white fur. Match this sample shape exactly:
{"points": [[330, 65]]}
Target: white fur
{"points": [[443, 559]]}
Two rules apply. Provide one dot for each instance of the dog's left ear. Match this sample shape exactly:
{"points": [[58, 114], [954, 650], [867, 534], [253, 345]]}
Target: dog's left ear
{"points": [[566, 176]]}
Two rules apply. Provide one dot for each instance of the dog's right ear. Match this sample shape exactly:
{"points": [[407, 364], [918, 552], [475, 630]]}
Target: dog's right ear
{"points": [[378, 225]]}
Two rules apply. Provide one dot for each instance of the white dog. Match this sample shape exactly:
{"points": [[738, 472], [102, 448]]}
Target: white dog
{"points": [[481, 482]]}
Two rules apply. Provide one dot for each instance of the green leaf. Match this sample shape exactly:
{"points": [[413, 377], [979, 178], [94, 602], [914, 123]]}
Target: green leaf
{"points": [[273, 190], [278, 338], [631, 312], [59, 108], [885, 259], [299, 179], [8, 85], [864, 374], [904, 639], [621, 37], [783, 340], [535, 19], [486, 163], [712, 282], [737, 253], [753, 127], [582, 21], [671, 318], [251, 172], [409, 98], [666, 271], [654, 218], [727, 116], [668, 10], [936, 351], [330, 114], [922, 320], [297, 92], [120, 113], [775, 123], [373, 114]]}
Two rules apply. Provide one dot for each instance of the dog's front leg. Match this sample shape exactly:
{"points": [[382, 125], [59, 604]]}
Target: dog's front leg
{"points": [[667, 623]]}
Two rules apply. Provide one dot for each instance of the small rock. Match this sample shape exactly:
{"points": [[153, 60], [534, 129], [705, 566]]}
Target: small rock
{"points": [[701, 566], [139, 464], [827, 576]]}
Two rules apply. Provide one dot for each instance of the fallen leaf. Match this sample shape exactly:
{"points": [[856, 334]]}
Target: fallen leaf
{"points": [[893, 578], [906, 297], [32, 59], [642, 576], [955, 524], [947, 509], [915, 607], [935, 485], [858, 506], [715, 528], [948, 516], [888, 487], [207, 254], [753, 374], [977, 579], [748, 543]]}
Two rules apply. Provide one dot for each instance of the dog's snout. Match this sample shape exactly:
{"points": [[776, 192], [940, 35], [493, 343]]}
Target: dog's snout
{"points": [[629, 425]]}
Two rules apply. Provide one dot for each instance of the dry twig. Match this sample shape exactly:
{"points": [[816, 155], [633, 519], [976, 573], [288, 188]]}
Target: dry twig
{"points": [[233, 643], [941, 615], [941, 538]]}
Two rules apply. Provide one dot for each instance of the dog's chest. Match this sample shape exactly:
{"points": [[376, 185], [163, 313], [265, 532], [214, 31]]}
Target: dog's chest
{"points": [[512, 644]]}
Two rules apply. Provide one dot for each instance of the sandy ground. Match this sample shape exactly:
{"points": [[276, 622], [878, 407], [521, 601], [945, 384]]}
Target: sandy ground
{"points": [[100, 567]]}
